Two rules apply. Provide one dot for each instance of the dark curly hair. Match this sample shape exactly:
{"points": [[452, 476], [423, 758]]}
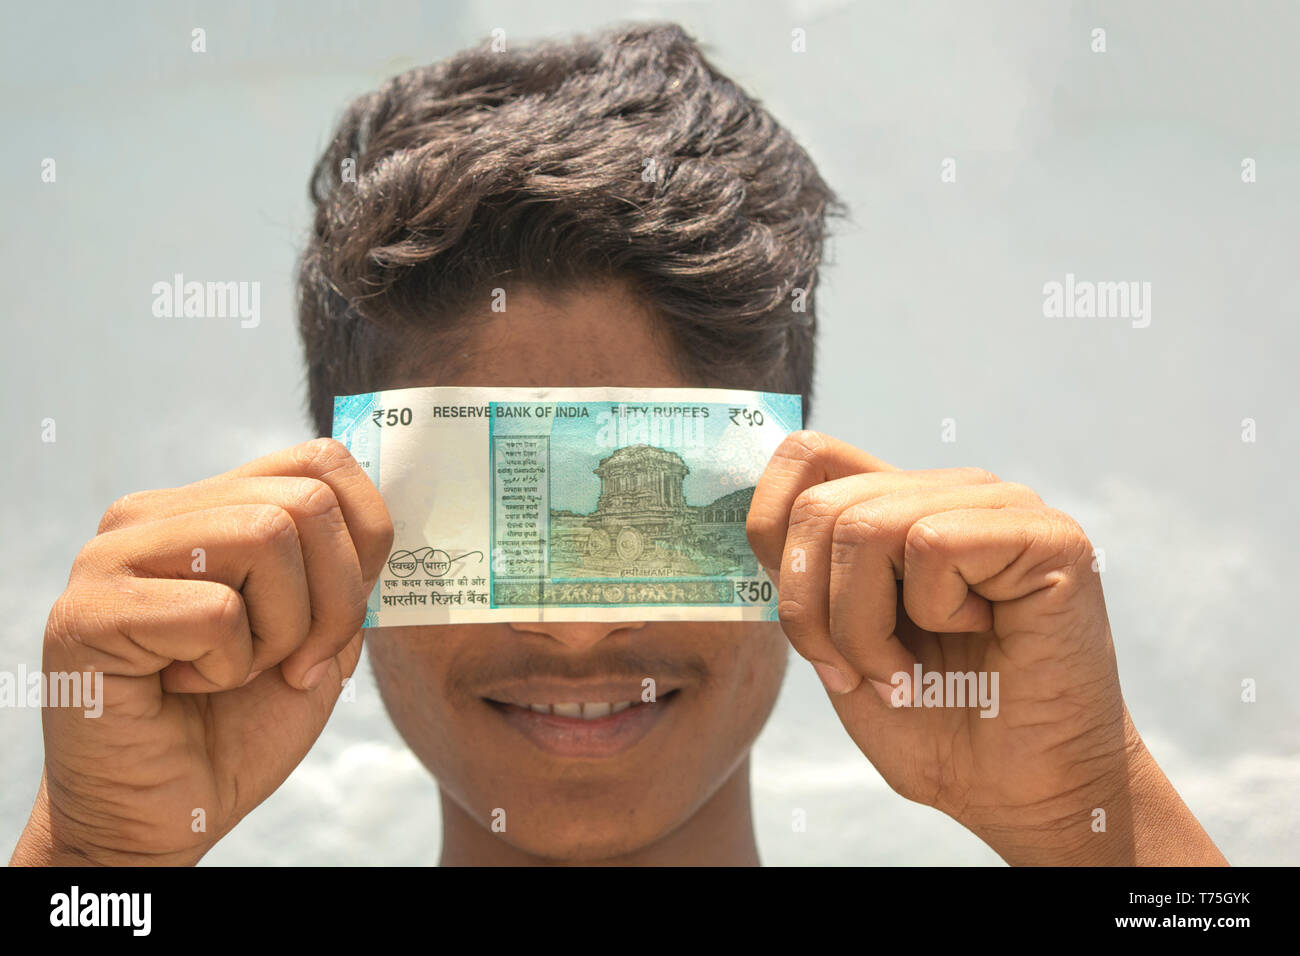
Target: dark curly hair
{"points": [[625, 156]]}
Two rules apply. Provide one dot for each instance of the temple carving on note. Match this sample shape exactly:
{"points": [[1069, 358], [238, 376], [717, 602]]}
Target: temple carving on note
{"points": [[644, 526]]}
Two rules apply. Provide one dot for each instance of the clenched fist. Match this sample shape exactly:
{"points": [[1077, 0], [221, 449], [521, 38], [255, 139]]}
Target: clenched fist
{"points": [[880, 570], [224, 616]]}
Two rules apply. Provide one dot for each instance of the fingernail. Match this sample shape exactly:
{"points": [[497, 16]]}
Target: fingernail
{"points": [[832, 678], [885, 691], [249, 679], [314, 676]]}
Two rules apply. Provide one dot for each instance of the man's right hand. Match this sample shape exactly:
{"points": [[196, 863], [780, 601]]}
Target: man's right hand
{"points": [[225, 616]]}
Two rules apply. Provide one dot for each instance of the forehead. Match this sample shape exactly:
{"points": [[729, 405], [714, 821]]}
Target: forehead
{"points": [[589, 336]]}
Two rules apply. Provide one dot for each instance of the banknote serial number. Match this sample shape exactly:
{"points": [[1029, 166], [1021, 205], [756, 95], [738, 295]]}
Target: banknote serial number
{"points": [[392, 416], [754, 592]]}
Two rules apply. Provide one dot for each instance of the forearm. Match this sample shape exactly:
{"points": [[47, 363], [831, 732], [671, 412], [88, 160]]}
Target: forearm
{"points": [[1146, 823], [37, 846], [45, 842], [1155, 826]]}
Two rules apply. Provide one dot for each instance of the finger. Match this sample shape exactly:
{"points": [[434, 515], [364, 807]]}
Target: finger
{"points": [[959, 561], [196, 634], [341, 667], [869, 544], [803, 459], [336, 587], [253, 549], [805, 576], [363, 509], [264, 705]]}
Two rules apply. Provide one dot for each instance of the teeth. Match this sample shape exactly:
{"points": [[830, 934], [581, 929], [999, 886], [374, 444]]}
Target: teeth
{"points": [[585, 710]]}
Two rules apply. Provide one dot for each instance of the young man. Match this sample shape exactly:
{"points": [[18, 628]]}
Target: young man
{"points": [[650, 225]]}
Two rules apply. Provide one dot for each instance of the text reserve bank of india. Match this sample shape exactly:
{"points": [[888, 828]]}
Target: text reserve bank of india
{"points": [[567, 504]]}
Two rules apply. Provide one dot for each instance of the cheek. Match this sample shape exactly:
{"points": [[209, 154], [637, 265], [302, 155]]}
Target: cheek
{"points": [[408, 670], [749, 671], [769, 655], [393, 658]]}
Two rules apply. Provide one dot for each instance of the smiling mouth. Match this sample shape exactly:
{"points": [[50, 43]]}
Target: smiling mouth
{"points": [[584, 710], [585, 728]]}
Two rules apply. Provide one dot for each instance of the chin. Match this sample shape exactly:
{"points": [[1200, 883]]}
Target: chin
{"points": [[590, 831], [585, 845]]}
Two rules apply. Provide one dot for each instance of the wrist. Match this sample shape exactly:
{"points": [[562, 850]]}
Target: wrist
{"points": [[39, 846], [1130, 816], [49, 839]]}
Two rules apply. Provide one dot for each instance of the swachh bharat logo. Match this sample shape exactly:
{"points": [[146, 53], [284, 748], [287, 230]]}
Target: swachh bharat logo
{"points": [[433, 561]]}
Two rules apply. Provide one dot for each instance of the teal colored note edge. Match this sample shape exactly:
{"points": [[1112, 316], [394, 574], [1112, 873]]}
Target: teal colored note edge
{"points": [[492, 506], [351, 413], [787, 410]]}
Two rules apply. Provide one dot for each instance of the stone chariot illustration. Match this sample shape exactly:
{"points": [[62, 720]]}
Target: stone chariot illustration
{"points": [[643, 524]]}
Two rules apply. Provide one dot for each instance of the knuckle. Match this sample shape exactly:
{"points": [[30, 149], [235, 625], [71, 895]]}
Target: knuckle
{"points": [[65, 618], [980, 476], [858, 525], [924, 539], [803, 445], [792, 614], [223, 613], [1019, 492], [91, 556], [312, 497], [1070, 538], [271, 526], [77, 618], [224, 671], [121, 512], [324, 455], [813, 504]]}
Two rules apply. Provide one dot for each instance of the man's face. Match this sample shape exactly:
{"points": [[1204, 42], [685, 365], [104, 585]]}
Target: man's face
{"points": [[572, 788]]}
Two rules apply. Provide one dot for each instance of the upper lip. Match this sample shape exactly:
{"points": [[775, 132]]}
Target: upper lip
{"points": [[543, 691]]}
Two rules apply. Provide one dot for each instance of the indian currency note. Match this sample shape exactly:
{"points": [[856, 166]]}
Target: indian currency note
{"points": [[567, 504]]}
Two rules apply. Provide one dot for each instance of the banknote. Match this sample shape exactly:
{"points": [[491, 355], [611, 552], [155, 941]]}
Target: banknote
{"points": [[567, 504]]}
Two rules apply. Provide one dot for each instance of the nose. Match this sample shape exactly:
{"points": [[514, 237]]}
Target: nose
{"points": [[578, 636]]}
